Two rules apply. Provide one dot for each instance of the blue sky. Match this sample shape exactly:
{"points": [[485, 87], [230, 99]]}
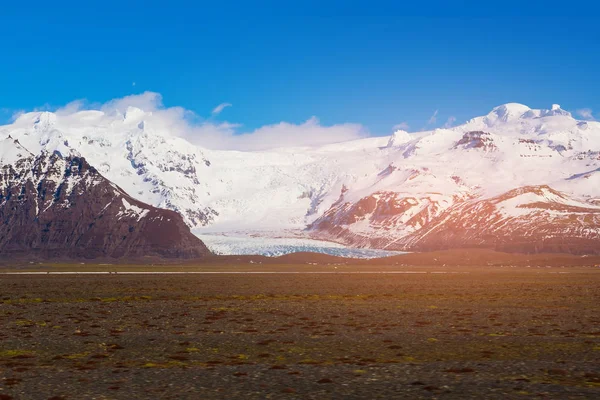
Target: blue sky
{"points": [[375, 64]]}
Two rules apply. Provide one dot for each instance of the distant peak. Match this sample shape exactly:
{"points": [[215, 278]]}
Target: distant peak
{"points": [[509, 111], [513, 112], [399, 137], [512, 107], [555, 110], [45, 120]]}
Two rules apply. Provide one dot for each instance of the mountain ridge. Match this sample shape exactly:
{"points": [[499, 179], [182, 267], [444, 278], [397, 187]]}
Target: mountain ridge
{"points": [[369, 192], [55, 207]]}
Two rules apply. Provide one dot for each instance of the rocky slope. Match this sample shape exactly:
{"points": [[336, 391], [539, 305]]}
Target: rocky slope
{"points": [[61, 207], [532, 219]]}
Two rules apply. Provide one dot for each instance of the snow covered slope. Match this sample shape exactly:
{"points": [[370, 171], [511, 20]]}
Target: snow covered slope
{"points": [[435, 179], [375, 192], [528, 219]]}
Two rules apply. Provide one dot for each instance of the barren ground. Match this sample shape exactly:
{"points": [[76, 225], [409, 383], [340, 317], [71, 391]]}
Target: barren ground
{"points": [[471, 332]]}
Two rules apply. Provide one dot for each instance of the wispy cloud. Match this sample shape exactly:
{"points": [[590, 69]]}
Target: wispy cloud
{"points": [[147, 101], [585, 113], [16, 115], [218, 109], [283, 134], [9, 114], [450, 122], [72, 107], [432, 120], [401, 126]]}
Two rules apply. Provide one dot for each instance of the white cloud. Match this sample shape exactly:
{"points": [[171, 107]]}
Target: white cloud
{"points": [[402, 126], [178, 121], [585, 113], [72, 107], [226, 136], [133, 84], [217, 110], [451, 120], [147, 101], [309, 133], [433, 118]]}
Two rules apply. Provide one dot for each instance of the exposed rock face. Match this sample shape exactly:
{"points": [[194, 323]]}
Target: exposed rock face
{"points": [[532, 219], [477, 140], [378, 220], [55, 207]]}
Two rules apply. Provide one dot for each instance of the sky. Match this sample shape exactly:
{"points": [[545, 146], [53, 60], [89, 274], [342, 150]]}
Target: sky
{"points": [[251, 66]]}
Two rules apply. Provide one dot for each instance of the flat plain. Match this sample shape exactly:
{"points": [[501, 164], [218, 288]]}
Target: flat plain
{"points": [[419, 332]]}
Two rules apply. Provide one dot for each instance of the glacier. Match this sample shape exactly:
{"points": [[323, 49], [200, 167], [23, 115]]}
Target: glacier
{"points": [[273, 247]]}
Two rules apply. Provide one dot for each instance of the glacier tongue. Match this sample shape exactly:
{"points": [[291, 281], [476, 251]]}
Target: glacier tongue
{"points": [[273, 247]]}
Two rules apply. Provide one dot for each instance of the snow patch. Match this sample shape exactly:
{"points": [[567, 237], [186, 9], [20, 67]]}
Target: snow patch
{"points": [[133, 209]]}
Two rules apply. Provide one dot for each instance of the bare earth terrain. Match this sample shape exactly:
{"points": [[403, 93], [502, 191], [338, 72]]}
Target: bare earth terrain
{"points": [[431, 332]]}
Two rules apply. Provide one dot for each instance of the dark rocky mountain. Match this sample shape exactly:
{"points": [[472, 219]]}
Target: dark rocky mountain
{"points": [[63, 208]]}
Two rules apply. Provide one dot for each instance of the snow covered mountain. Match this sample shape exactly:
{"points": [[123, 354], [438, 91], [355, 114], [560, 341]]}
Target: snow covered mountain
{"points": [[515, 174], [528, 219], [154, 166], [492, 182], [61, 207]]}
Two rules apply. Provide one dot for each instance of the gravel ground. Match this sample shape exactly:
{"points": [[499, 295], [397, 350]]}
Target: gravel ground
{"points": [[482, 333]]}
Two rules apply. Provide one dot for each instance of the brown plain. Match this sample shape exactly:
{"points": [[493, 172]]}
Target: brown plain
{"points": [[492, 332]]}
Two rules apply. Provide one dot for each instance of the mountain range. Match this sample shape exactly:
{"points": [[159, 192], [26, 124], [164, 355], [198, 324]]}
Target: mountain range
{"points": [[517, 179]]}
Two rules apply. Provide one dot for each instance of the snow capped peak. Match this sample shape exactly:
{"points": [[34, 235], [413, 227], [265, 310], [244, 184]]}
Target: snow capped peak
{"points": [[515, 119], [506, 113], [45, 120], [36, 120], [512, 112], [399, 137], [555, 110]]}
